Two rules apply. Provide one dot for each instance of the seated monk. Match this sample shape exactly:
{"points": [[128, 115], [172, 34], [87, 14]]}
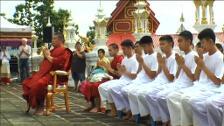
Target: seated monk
{"points": [[35, 87], [90, 88]]}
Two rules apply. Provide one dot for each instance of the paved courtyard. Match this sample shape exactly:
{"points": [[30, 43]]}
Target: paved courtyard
{"points": [[12, 107]]}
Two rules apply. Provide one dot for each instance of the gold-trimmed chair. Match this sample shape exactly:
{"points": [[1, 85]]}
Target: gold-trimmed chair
{"points": [[59, 86]]}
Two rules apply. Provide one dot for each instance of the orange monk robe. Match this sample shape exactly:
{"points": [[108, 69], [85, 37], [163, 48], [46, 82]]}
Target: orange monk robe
{"points": [[35, 87]]}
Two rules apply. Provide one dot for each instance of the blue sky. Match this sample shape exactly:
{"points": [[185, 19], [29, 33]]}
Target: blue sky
{"points": [[167, 12]]}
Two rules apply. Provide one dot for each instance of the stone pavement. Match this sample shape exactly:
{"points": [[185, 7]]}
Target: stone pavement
{"points": [[12, 107]]}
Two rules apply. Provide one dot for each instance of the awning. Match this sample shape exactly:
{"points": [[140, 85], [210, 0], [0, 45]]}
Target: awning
{"points": [[14, 43]]}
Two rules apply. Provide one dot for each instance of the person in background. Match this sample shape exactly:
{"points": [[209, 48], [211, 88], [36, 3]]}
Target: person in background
{"points": [[100, 72], [24, 54], [5, 66], [219, 46], [78, 65], [90, 89]]}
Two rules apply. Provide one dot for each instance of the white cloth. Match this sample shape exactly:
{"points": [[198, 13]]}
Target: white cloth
{"points": [[131, 65], [116, 92], [215, 109], [27, 49], [5, 67], [198, 106], [136, 97], [105, 88], [179, 102], [209, 112], [223, 118], [183, 81]]}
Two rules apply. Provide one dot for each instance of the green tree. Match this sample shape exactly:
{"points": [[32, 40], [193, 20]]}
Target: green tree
{"points": [[36, 13], [91, 34]]}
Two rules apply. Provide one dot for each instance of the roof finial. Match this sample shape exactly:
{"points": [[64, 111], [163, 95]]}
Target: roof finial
{"points": [[181, 28], [100, 4], [182, 18]]}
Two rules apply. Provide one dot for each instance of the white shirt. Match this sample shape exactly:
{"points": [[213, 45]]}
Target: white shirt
{"points": [[190, 63], [27, 49], [151, 62], [171, 65], [131, 65], [214, 63]]}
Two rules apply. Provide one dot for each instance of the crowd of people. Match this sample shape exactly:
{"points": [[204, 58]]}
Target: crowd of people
{"points": [[174, 88], [24, 52]]}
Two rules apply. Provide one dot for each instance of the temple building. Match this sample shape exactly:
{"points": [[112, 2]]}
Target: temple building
{"points": [[131, 17]]}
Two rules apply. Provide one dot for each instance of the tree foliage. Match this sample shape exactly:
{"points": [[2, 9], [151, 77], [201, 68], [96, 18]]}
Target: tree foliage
{"points": [[36, 12], [91, 34]]}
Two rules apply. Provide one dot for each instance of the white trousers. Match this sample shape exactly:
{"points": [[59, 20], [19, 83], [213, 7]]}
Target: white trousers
{"points": [[105, 89], [215, 109], [151, 100], [159, 99], [223, 118], [137, 100], [119, 98], [125, 91], [199, 108], [179, 103]]}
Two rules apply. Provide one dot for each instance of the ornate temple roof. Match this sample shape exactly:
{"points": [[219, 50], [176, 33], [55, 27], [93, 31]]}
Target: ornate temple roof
{"points": [[120, 6]]}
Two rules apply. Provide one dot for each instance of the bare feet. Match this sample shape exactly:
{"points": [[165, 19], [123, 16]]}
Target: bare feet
{"points": [[39, 111], [103, 110], [94, 110], [88, 109], [166, 123], [128, 116], [112, 114]]}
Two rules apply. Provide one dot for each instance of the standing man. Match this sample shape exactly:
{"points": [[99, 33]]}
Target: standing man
{"points": [[24, 54], [78, 65]]}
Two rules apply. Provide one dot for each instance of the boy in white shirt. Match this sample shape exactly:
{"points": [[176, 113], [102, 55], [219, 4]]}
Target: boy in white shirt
{"points": [[165, 74], [184, 75], [127, 69], [149, 67], [208, 73]]}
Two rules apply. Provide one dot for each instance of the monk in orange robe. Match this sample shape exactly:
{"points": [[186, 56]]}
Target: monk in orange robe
{"points": [[35, 87]]}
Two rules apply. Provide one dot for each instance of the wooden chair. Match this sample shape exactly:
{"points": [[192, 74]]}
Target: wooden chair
{"points": [[59, 86]]}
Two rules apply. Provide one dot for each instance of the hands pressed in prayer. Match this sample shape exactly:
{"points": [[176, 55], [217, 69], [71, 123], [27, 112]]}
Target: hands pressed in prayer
{"points": [[139, 59], [99, 63], [199, 61], [46, 52], [78, 53], [160, 59], [200, 52], [106, 65], [179, 59], [121, 69]]}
